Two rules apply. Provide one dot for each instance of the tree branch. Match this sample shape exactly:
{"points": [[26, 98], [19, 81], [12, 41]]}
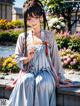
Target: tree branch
{"points": [[76, 19]]}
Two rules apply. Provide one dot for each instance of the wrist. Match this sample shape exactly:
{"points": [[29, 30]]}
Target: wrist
{"points": [[26, 60]]}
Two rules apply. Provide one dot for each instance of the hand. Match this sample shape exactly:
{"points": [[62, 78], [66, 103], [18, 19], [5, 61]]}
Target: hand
{"points": [[13, 83], [65, 83], [30, 56]]}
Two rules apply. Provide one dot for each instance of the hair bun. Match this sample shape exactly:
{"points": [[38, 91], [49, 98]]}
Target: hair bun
{"points": [[28, 3]]}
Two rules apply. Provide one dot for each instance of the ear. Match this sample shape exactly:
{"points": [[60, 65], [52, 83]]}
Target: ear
{"points": [[41, 19]]}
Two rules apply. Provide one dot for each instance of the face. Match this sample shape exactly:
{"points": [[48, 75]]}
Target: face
{"points": [[34, 22]]}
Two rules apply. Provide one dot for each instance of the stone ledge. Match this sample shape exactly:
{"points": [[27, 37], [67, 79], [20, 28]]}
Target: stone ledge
{"points": [[65, 96]]}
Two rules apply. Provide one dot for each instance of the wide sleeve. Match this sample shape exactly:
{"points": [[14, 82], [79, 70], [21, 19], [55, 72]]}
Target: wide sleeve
{"points": [[56, 61], [19, 51]]}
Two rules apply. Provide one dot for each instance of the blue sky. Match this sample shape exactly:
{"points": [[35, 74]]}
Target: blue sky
{"points": [[19, 3]]}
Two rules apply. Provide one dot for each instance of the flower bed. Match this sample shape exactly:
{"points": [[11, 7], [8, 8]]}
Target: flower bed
{"points": [[9, 65], [5, 25], [68, 41], [70, 59]]}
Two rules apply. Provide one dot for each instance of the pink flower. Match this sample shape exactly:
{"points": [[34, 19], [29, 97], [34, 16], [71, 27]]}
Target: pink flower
{"points": [[65, 62], [68, 59]]}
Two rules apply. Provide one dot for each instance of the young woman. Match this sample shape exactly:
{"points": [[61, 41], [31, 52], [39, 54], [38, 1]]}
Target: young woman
{"points": [[44, 71]]}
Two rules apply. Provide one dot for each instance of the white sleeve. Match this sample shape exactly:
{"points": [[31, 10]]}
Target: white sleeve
{"points": [[56, 61], [19, 51]]}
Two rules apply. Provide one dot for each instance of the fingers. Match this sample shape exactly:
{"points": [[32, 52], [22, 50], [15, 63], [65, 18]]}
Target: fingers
{"points": [[31, 53], [68, 80]]}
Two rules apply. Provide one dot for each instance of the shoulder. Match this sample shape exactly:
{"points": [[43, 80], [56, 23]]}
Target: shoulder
{"points": [[22, 35], [49, 34]]}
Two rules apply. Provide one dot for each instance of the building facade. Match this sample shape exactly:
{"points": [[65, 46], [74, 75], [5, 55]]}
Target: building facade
{"points": [[6, 9], [17, 13]]}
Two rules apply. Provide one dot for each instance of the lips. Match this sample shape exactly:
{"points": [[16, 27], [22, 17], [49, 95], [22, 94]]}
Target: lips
{"points": [[34, 25]]}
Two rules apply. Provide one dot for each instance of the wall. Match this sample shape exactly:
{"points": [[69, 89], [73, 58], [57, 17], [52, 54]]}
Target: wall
{"points": [[6, 11]]}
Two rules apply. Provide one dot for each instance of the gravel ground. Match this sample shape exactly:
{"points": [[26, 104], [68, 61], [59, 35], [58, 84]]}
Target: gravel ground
{"points": [[70, 74]]}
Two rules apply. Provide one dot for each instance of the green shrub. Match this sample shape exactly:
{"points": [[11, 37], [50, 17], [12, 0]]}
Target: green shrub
{"points": [[72, 42], [4, 24], [1, 62], [63, 41], [17, 23], [9, 36], [9, 65], [9, 25]]}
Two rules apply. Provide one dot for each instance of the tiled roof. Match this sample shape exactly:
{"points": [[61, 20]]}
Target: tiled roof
{"points": [[18, 10]]}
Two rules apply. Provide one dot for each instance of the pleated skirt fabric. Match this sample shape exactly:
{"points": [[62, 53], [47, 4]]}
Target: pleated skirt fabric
{"points": [[34, 90]]}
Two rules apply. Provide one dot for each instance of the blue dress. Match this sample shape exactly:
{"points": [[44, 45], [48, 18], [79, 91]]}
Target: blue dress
{"points": [[37, 87]]}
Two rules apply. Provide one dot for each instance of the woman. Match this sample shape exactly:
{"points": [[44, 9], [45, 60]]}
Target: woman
{"points": [[37, 86]]}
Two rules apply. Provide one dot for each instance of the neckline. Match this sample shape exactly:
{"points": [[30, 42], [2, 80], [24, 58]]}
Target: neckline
{"points": [[37, 36]]}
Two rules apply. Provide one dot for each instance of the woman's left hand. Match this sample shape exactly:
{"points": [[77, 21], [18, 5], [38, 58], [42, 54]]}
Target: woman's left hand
{"points": [[65, 83], [13, 83]]}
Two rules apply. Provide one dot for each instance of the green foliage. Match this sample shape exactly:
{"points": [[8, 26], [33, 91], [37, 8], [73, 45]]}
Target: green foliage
{"points": [[9, 65], [63, 41], [65, 9], [7, 37], [17, 23], [72, 42], [4, 24], [9, 25], [1, 62]]}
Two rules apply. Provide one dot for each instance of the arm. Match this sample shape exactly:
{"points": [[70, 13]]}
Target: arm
{"points": [[56, 58], [19, 51]]}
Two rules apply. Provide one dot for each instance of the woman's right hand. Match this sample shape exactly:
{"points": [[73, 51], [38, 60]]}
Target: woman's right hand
{"points": [[30, 56]]}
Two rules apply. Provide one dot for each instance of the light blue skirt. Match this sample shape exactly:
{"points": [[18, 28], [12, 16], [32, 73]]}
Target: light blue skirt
{"points": [[34, 90]]}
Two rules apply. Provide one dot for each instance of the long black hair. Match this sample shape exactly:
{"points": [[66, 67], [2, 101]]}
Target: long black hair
{"points": [[32, 7]]}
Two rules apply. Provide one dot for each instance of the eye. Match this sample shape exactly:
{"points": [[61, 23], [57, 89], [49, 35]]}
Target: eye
{"points": [[29, 19], [37, 17]]}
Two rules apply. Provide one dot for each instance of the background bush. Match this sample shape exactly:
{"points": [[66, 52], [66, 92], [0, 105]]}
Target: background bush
{"points": [[17, 23], [9, 65], [9, 37], [63, 41], [1, 62], [70, 59], [72, 42], [4, 24]]}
